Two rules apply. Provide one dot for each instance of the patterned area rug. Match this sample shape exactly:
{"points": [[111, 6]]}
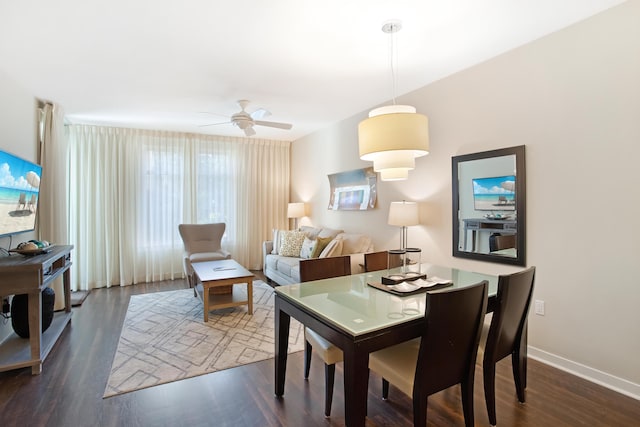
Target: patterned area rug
{"points": [[164, 338]]}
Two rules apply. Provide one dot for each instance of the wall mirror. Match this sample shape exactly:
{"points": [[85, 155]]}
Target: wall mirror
{"points": [[489, 205]]}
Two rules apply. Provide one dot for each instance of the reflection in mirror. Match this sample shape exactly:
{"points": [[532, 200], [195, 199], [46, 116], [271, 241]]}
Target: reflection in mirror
{"points": [[489, 205]]}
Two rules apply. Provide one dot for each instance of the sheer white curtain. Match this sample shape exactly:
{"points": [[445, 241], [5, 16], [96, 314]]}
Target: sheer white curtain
{"points": [[131, 188]]}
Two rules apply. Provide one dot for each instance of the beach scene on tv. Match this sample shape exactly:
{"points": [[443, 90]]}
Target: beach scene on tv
{"points": [[495, 193], [19, 190]]}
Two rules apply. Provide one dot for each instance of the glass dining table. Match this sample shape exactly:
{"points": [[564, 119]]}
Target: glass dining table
{"points": [[359, 319]]}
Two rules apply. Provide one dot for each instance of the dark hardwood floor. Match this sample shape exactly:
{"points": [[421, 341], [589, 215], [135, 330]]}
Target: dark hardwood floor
{"points": [[69, 390]]}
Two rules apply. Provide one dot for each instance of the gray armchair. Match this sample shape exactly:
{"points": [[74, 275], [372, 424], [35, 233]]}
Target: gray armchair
{"points": [[202, 242]]}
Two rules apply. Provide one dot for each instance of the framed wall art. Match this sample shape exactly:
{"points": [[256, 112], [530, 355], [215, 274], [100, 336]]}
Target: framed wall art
{"points": [[354, 190]]}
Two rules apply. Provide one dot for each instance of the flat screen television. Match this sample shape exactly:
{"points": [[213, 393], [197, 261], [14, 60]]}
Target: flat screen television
{"points": [[19, 194], [497, 193]]}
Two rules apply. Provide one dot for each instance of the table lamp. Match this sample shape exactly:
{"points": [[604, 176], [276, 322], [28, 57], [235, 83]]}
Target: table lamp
{"points": [[295, 211], [403, 214]]}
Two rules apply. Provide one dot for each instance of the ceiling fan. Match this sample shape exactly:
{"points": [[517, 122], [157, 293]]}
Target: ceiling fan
{"points": [[246, 121]]}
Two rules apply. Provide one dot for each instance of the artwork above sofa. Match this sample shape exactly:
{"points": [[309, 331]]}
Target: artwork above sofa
{"points": [[283, 253]]}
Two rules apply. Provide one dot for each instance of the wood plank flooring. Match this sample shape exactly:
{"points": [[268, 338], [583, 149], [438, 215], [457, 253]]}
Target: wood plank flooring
{"points": [[69, 390]]}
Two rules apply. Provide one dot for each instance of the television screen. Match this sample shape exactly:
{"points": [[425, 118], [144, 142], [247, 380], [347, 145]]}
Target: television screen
{"points": [[19, 192], [495, 193]]}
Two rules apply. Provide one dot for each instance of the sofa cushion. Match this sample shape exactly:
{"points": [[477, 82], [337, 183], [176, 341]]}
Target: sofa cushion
{"points": [[277, 240], [307, 248], [334, 248], [310, 232], [354, 243], [321, 243], [291, 243], [328, 232], [285, 265]]}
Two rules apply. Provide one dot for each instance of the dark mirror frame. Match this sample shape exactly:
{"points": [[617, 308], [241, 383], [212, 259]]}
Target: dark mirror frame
{"points": [[521, 198]]}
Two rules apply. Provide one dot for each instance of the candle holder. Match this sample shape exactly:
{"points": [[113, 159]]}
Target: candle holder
{"points": [[409, 262]]}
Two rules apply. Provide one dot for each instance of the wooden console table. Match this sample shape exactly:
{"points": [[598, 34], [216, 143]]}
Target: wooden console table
{"points": [[505, 226], [30, 275]]}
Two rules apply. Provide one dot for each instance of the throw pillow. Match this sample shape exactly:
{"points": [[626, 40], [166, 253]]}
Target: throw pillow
{"points": [[328, 232], [334, 248], [310, 232], [277, 240], [291, 243], [354, 243], [322, 243], [308, 246]]}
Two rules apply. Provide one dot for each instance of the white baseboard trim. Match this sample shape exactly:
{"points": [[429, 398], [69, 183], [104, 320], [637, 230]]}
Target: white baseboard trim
{"points": [[590, 374]]}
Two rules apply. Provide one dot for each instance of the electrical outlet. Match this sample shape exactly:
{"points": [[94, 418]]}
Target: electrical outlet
{"points": [[539, 307]]}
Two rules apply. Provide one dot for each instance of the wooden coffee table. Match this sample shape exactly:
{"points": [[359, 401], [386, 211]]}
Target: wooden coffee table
{"points": [[215, 285]]}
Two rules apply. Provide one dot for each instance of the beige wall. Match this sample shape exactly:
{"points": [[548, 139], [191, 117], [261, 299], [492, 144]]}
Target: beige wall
{"points": [[17, 136], [573, 99]]}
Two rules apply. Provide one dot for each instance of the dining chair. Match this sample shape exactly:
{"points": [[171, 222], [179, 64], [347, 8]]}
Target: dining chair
{"points": [[445, 354], [317, 269], [507, 335], [202, 242], [505, 242], [374, 261]]}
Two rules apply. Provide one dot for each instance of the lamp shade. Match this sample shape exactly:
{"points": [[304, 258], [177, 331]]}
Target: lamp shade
{"points": [[403, 214], [392, 129], [295, 210], [396, 174], [392, 137]]}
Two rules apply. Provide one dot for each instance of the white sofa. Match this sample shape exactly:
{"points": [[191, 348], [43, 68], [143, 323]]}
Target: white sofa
{"points": [[285, 270]]}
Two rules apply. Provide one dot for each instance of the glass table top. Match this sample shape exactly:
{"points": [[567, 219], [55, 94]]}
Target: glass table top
{"points": [[350, 304]]}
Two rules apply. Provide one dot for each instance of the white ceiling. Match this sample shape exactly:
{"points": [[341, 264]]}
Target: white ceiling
{"points": [[158, 64]]}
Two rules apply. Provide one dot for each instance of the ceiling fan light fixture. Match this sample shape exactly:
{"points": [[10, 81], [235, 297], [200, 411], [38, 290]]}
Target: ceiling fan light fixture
{"points": [[249, 131], [245, 121]]}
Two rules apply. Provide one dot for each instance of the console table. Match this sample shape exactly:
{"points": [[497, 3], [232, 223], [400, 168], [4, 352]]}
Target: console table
{"points": [[506, 226], [30, 275]]}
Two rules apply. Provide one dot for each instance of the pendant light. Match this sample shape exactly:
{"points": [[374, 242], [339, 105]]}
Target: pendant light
{"points": [[393, 135]]}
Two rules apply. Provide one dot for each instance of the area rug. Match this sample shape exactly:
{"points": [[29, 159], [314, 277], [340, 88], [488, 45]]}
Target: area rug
{"points": [[165, 339], [78, 297]]}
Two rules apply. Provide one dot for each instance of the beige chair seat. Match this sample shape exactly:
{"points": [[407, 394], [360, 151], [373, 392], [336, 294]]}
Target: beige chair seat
{"points": [[483, 334], [397, 364], [329, 353], [208, 256]]}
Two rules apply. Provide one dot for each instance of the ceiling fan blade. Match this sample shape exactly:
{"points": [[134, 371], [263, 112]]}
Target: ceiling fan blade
{"points": [[213, 114], [260, 113], [248, 131], [274, 124], [214, 124]]}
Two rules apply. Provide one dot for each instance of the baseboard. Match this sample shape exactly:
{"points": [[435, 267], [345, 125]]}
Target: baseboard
{"points": [[590, 374]]}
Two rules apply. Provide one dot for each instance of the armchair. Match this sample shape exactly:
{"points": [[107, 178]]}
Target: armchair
{"points": [[202, 242]]}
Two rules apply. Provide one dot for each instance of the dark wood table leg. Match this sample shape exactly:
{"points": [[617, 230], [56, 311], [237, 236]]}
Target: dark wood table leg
{"points": [[356, 386], [282, 321]]}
